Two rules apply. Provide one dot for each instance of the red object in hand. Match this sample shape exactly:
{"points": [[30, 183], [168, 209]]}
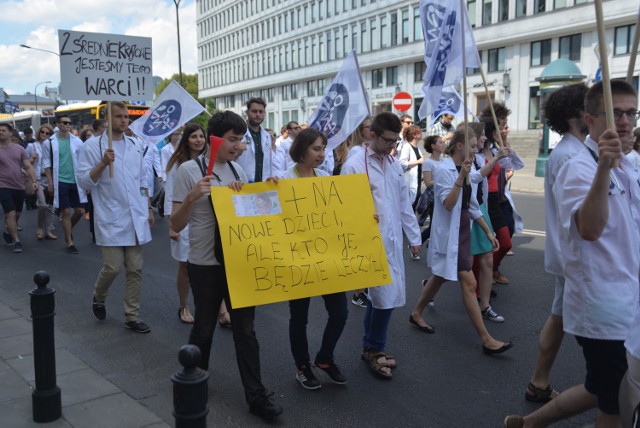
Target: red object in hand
{"points": [[214, 146]]}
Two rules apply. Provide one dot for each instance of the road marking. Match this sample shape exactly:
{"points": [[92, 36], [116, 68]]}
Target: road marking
{"points": [[531, 232]]}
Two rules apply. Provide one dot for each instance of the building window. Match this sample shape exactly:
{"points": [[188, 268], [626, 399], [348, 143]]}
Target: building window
{"points": [[311, 88], [570, 47], [521, 8], [394, 29], [417, 25], [354, 37], [559, 4], [338, 44], [418, 71], [624, 39], [363, 36], [384, 42], [321, 86], [471, 10], [503, 10], [541, 52], [496, 60], [392, 75], [376, 78], [534, 107], [486, 12], [405, 26], [538, 6], [374, 42], [294, 91]]}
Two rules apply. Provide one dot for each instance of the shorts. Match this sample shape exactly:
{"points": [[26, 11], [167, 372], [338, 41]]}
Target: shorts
{"points": [[180, 248], [606, 365], [68, 196], [12, 199], [556, 307]]}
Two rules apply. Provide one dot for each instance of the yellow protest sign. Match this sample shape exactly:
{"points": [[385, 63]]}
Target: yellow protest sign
{"points": [[299, 238]]}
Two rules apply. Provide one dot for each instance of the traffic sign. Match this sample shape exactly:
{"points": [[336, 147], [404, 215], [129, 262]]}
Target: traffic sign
{"points": [[402, 101]]}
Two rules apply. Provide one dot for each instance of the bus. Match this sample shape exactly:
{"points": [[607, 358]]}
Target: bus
{"points": [[24, 119], [82, 114]]}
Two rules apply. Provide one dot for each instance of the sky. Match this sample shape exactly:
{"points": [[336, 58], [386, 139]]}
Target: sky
{"points": [[36, 23]]}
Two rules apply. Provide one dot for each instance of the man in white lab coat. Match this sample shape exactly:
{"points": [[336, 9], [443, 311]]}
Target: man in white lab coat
{"points": [[395, 216], [122, 212]]}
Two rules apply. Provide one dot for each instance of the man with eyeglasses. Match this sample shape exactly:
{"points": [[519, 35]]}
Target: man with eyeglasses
{"points": [[406, 121], [395, 216], [60, 160], [443, 127], [597, 207], [282, 159]]}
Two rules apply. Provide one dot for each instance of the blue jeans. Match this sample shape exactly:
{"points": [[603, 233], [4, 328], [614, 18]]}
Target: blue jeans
{"points": [[336, 306], [376, 323], [209, 287]]}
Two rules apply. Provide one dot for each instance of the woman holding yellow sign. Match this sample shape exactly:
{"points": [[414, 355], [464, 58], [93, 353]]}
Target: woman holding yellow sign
{"points": [[308, 151]]}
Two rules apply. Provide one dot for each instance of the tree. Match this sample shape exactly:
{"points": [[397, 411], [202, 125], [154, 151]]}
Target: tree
{"points": [[190, 82]]}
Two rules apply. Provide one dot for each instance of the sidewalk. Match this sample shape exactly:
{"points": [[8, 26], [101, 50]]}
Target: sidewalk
{"points": [[88, 399], [525, 181]]}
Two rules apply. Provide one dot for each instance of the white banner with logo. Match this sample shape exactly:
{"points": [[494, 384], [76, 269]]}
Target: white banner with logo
{"points": [[344, 105], [172, 109]]}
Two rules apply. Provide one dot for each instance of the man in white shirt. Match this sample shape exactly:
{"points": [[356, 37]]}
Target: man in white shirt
{"points": [[563, 112], [597, 205], [256, 161], [282, 159], [122, 212]]}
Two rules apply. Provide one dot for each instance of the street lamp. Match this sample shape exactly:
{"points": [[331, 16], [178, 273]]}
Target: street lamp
{"points": [[177, 3], [35, 92], [38, 49]]}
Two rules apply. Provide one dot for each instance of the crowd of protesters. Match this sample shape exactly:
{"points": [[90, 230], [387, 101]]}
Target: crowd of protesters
{"points": [[446, 188]]}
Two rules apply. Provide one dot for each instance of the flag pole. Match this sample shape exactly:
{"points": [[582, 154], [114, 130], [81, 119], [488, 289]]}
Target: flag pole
{"points": [[634, 52], [493, 112], [463, 24], [604, 64], [110, 131]]}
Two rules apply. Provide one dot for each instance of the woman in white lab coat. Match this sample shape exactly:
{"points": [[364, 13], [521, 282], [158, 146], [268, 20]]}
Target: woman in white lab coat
{"points": [[411, 160], [449, 252]]}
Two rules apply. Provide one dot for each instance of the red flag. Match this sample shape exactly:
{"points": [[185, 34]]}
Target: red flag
{"points": [[214, 146]]}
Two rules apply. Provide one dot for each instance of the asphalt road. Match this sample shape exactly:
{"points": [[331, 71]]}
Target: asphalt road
{"points": [[443, 380]]}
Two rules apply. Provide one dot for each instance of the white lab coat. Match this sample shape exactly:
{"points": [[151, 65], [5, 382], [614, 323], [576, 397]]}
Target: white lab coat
{"points": [[121, 212], [282, 161], [76, 146], [407, 154], [392, 204], [247, 159], [442, 255]]}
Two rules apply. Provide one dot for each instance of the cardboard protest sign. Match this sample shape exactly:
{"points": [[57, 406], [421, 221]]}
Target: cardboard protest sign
{"points": [[109, 67], [299, 238]]}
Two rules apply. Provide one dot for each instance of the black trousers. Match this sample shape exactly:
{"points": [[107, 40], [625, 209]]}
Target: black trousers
{"points": [[209, 287]]}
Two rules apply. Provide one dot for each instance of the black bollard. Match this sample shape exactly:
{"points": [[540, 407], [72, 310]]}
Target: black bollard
{"points": [[190, 391], [46, 398]]}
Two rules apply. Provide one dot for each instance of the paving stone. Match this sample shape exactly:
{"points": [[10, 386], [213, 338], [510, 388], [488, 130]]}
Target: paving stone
{"points": [[14, 327], [65, 363], [19, 413], [6, 312], [13, 386], [14, 346], [84, 385], [113, 411]]}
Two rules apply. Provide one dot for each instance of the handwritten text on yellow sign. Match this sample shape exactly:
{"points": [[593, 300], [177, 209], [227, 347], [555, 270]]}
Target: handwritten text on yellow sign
{"points": [[299, 238]]}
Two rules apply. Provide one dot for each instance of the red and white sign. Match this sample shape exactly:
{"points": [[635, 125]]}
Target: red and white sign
{"points": [[402, 101]]}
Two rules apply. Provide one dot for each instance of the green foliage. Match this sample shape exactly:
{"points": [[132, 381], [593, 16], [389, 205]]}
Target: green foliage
{"points": [[190, 84]]}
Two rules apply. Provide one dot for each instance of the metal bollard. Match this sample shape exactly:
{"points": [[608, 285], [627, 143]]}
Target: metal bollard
{"points": [[46, 398], [190, 390]]}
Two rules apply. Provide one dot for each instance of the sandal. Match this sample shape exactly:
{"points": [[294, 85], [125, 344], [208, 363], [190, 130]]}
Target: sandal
{"points": [[538, 395], [391, 361], [39, 235], [224, 320], [378, 363], [185, 315]]}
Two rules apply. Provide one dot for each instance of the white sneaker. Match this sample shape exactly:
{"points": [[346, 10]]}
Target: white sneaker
{"points": [[489, 314]]}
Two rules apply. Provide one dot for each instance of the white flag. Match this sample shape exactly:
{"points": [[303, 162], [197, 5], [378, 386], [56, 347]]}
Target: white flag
{"points": [[444, 57], [172, 109], [344, 105]]}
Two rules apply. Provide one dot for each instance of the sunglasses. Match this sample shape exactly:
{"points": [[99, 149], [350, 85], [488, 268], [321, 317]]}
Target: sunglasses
{"points": [[45, 132], [65, 122]]}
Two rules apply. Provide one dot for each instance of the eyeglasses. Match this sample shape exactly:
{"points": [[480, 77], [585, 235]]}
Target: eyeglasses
{"points": [[631, 115], [388, 140], [66, 122], [45, 132], [408, 122], [294, 128]]}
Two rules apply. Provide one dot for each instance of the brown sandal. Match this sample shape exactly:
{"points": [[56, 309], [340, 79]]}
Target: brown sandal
{"points": [[224, 320], [539, 395], [377, 363]]}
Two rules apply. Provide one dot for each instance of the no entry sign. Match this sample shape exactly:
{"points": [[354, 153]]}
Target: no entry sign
{"points": [[402, 101]]}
